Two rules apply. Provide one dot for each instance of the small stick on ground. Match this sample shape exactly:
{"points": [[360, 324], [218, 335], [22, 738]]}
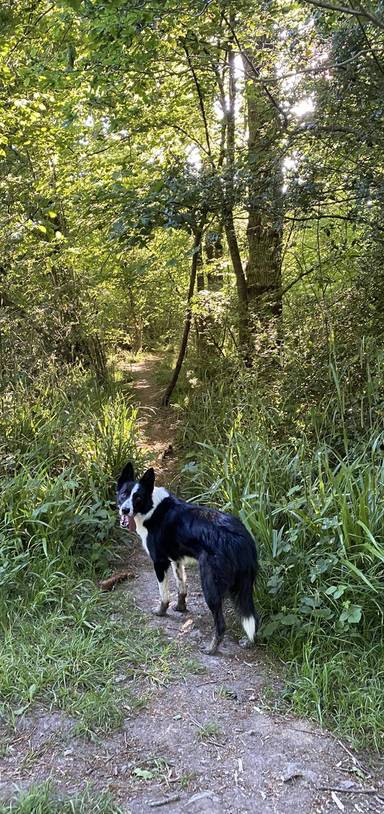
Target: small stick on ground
{"points": [[157, 803], [354, 790], [352, 756], [119, 576]]}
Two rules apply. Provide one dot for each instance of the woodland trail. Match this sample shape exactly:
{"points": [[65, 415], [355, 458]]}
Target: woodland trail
{"points": [[216, 729], [206, 740]]}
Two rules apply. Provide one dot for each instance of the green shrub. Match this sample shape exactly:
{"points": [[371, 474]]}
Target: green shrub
{"points": [[64, 442], [317, 512]]}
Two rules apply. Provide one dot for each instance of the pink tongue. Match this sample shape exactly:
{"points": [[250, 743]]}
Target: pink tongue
{"points": [[131, 523]]}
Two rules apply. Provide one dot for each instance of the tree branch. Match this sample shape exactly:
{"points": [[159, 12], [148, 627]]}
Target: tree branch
{"points": [[256, 73], [201, 100], [30, 28], [360, 12], [188, 318]]}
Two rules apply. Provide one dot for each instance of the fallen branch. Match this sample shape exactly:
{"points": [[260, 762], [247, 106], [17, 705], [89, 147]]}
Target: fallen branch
{"points": [[119, 576]]}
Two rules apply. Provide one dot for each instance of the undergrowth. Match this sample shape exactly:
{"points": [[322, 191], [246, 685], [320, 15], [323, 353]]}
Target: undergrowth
{"points": [[91, 656], [64, 440], [312, 495]]}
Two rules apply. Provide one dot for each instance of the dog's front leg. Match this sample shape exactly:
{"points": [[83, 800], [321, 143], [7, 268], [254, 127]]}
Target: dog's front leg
{"points": [[161, 570], [178, 569]]}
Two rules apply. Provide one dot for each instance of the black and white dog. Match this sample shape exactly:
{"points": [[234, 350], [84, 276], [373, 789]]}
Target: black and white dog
{"points": [[171, 529]]}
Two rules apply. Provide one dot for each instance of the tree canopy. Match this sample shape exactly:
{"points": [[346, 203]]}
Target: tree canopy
{"points": [[128, 126]]}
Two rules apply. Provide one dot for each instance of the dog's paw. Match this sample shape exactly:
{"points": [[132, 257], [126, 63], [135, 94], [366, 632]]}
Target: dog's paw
{"points": [[180, 607], [162, 610], [246, 644], [210, 649]]}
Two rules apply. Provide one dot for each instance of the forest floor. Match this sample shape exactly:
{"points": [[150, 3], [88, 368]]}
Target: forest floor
{"points": [[210, 739]]}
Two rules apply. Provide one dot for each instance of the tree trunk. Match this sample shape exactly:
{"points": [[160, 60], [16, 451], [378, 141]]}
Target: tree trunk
{"points": [[200, 320], [241, 284], [264, 230], [228, 220], [214, 250], [264, 267], [188, 319]]}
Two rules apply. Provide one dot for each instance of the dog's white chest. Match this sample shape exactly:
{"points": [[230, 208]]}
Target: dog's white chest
{"points": [[159, 494], [142, 531]]}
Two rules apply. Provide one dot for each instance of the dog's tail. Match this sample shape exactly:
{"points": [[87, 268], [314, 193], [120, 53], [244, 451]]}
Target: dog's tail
{"points": [[242, 597]]}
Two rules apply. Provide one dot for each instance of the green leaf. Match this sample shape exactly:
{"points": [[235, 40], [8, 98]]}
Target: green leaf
{"points": [[336, 591], [352, 615], [144, 774], [289, 619]]}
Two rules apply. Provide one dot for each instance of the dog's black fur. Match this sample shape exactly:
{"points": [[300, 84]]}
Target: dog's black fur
{"points": [[171, 529]]}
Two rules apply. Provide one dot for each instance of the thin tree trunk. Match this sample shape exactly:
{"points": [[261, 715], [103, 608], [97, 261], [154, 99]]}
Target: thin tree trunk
{"points": [[241, 284], [188, 320], [228, 220], [264, 230]]}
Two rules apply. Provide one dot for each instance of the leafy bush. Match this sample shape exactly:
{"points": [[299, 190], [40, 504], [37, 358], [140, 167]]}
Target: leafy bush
{"points": [[64, 441], [317, 515]]}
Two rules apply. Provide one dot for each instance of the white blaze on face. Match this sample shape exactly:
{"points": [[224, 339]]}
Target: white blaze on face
{"points": [[128, 502], [158, 494]]}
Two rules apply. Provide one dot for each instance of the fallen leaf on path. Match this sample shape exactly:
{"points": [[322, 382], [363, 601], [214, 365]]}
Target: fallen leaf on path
{"points": [[337, 801], [186, 626]]}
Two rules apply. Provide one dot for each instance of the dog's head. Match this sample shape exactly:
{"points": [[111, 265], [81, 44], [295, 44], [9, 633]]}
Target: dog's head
{"points": [[134, 497]]}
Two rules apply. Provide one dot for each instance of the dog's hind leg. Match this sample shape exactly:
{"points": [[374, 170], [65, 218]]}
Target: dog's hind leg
{"points": [[214, 600], [178, 569], [218, 636], [161, 570]]}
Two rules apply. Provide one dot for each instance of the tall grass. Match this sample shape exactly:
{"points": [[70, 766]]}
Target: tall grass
{"points": [[315, 504], [63, 443], [64, 439]]}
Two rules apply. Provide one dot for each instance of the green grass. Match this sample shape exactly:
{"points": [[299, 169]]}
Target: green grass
{"points": [[316, 509], [211, 729], [342, 688], [94, 658], [62, 642], [62, 446], [44, 800]]}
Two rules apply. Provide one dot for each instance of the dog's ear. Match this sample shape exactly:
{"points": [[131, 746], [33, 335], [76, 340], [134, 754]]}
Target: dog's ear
{"points": [[127, 475], [148, 479]]}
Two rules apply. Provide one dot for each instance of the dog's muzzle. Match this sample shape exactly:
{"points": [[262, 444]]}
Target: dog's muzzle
{"points": [[127, 521]]}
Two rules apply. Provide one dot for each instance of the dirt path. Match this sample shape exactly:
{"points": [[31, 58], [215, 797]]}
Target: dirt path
{"points": [[157, 424], [207, 741], [228, 751]]}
